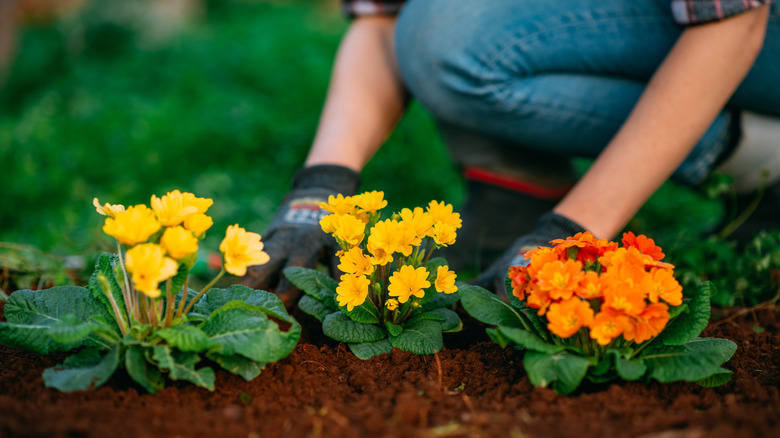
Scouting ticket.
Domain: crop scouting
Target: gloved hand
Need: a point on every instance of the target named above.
(294, 237)
(550, 226)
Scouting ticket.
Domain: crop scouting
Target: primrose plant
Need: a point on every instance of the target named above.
(138, 312)
(392, 293)
(589, 309)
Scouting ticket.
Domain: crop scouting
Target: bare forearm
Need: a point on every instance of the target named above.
(682, 99)
(365, 97)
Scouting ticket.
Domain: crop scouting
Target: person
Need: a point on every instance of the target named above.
(650, 89)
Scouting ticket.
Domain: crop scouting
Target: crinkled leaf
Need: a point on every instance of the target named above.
(629, 369)
(239, 365)
(495, 335)
(449, 320)
(48, 306)
(699, 359)
(33, 338)
(248, 332)
(563, 372)
(185, 338)
(690, 323)
(264, 301)
(367, 350)
(393, 329)
(105, 265)
(314, 283)
(529, 340)
(181, 366)
(314, 307)
(71, 330)
(365, 313)
(487, 307)
(441, 300)
(422, 337)
(142, 371)
(340, 327)
(178, 280)
(87, 369)
(717, 379)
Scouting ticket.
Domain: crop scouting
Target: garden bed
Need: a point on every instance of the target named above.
(474, 388)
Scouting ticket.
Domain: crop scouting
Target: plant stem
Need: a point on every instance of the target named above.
(183, 297)
(169, 305)
(126, 292)
(204, 290)
(428, 252)
(742, 217)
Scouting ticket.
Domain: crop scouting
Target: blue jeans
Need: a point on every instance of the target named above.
(559, 77)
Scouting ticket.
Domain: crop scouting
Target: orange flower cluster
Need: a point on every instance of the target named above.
(584, 282)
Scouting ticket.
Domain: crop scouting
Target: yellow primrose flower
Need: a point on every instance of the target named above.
(202, 204)
(370, 201)
(198, 223)
(445, 280)
(356, 262)
(240, 249)
(379, 253)
(132, 226)
(339, 204)
(328, 223)
(443, 212)
(420, 221)
(108, 209)
(407, 282)
(171, 208)
(178, 242)
(407, 238)
(391, 304)
(148, 266)
(352, 290)
(349, 229)
(443, 234)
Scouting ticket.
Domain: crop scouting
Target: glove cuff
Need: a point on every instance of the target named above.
(552, 226)
(339, 179)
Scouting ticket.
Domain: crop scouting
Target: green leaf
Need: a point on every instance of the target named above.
(263, 301)
(495, 335)
(365, 313)
(141, 371)
(699, 359)
(422, 337)
(181, 366)
(32, 315)
(313, 283)
(250, 333)
(70, 330)
(393, 329)
(177, 282)
(48, 306)
(239, 365)
(630, 369)
(450, 321)
(690, 323)
(487, 307)
(314, 307)
(717, 379)
(105, 265)
(340, 327)
(185, 338)
(563, 372)
(84, 370)
(367, 350)
(529, 340)
(441, 300)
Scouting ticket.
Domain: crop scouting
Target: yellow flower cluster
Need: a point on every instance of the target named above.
(383, 260)
(166, 235)
(583, 283)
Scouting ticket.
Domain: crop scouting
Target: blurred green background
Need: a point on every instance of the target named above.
(121, 100)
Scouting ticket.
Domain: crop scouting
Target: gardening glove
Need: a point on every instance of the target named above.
(295, 237)
(550, 226)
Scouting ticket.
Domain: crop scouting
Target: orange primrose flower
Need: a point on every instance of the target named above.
(565, 318)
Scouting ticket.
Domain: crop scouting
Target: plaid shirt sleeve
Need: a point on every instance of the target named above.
(701, 11)
(354, 8)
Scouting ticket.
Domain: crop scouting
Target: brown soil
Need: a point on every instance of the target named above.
(474, 388)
